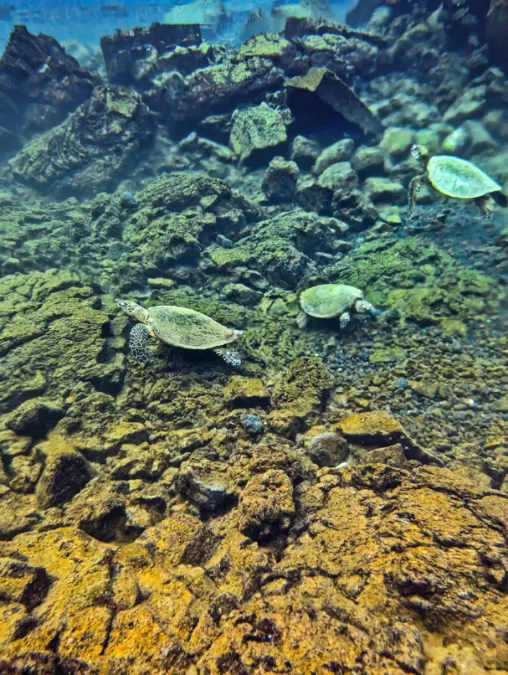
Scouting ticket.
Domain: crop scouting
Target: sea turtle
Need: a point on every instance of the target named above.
(179, 327)
(454, 177)
(327, 301)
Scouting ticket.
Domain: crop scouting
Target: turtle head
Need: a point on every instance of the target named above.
(133, 309)
(421, 153)
(233, 334)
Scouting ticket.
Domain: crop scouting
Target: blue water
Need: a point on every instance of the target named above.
(88, 20)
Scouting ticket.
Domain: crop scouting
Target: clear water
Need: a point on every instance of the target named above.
(207, 466)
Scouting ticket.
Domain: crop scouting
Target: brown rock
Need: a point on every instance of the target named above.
(328, 449)
(380, 428)
(65, 473)
(246, 392)
(266, 505)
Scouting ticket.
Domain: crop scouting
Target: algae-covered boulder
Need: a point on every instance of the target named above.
(35, 417)
(418, 280)
(255, 130)
(65, 473)
(216, 88)
(177, 216)
(98, 144)
(39, 84)
(266, 506)
(134, 56)
(279, 181)
(52, 337)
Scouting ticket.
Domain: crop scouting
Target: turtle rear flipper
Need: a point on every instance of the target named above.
(137, 342)
(229, 355)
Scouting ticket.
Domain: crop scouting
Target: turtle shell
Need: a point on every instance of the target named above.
(329, 300)
(456, 177)
(182, 327)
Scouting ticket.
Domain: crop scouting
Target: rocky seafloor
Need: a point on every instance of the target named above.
(336, 504)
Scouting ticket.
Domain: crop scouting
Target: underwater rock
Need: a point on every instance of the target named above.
(304, 152)
(339, 177)
(355, 209)
(385, 191)
(338, 152)
(133, 55)
(253, 424)
(241, 294)
(179, 214)
(65, 473)
(301, 391)
(205, 484)
(367, 162)
(214, 89)
(101, 141)
(270, 46)
(266, 506)
(39, 83)
(497, 32)
(35, 417)
(255, 130)
(379, 428)
(323, 84)
(246, 392)
(327, 449)
(208, 567)
(279, 181)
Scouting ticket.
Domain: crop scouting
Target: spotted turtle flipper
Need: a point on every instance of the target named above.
(137, 342)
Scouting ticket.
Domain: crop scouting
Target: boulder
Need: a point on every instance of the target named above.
(96, 146)
(133, 55)
(35, 417)
(255, 130)
(338, 152)
(39, 84)
(279, 181)
(324, 85)
(266, 505)
(66, 472)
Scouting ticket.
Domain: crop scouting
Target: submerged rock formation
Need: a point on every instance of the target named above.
(99, 143)
(39, 83)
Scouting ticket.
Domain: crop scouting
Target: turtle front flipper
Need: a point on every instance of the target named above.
(229, 355)
(302, 320)
(485, 205)
(344, 319)
(413, 190)
(137, 342)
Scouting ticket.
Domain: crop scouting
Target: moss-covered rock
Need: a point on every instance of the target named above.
(417, 279)
(256, 129)
(101, 141)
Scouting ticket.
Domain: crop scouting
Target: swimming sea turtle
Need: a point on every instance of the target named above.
(179, 327)
(327, 301)
(454, 177)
